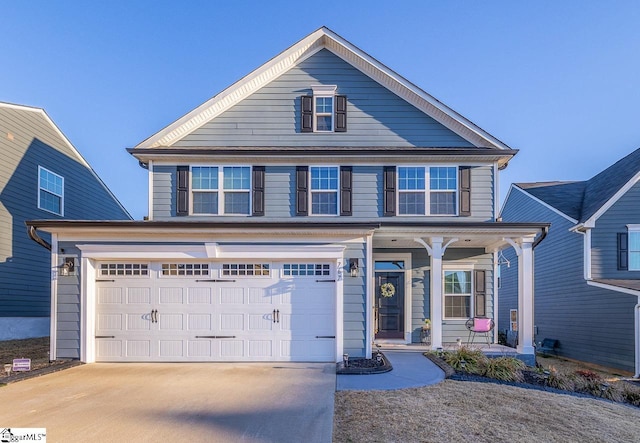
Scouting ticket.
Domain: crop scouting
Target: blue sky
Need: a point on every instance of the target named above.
(559, 80)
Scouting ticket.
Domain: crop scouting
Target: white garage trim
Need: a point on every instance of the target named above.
(209, 250)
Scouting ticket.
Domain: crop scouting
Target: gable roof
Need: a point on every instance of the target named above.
(586, 200)
(323, 38)
(63, 138)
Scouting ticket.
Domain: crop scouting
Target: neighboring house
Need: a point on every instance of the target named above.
(319, 204)
(587, 280)
(41, 176)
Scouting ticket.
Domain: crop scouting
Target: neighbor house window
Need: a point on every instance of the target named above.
(457, 294)
(50, 191)
(221, 190)
(324, 190)
(634, 249)
(427, 190)
(513, 319)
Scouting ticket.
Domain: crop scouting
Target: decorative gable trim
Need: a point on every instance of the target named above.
(322, 38)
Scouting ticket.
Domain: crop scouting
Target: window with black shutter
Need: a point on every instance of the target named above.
(182, 191)
(258, 190)
(346, 175)
(623, 251)
(302, 190)
(324, 111)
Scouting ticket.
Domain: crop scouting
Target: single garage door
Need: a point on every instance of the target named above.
(209, 311)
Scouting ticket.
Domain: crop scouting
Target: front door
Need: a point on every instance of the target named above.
(389, 304)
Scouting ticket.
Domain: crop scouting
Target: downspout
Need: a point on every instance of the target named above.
(637, 346)
(33, 235)
(545, 231)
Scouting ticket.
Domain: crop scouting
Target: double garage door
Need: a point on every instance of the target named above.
(209, 311)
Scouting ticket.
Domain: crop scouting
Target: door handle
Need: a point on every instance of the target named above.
(154, 316)
(278, 313)
(273, 315)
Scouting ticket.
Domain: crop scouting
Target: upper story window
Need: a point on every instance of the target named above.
(324, 190)
(634, 247)
(324, 111)
(50, 191)
(221, 190)
(427, 190)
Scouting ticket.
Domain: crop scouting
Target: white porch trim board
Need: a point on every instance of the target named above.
(369, 298)
(53, 327)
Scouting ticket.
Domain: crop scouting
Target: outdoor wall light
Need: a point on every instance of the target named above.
(345, 360)
(353, 267)
(68, 267)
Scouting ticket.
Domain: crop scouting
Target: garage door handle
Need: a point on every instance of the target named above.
(278, 314)
(325, 336)
(105, 336)
(103, 281)
(215, 280)
(154, 316)
(325, 281)
(215, 336)
(273, 315)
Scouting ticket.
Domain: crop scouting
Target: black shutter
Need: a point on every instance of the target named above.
(346, 174)
(302, 190)
(306, 106)
(182, 191)
(389, 193)
(258, 190)
(480, 293)
(464, 191)
(341, 113)
(623, 251)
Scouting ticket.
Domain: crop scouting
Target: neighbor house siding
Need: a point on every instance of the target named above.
(591, 324)
(354, 293)
(604, 237)
(271, 116)
(25, 268)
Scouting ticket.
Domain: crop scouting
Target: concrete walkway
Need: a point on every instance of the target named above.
(411, 369)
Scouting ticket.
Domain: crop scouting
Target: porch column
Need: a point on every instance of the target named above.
(436, 251)
(524, 250)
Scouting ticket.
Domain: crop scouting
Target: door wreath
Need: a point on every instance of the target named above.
(387, 290)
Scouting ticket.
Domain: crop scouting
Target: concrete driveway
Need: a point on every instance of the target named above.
(194, 402)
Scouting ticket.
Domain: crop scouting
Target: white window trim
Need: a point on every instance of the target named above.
(40, 188)
(427, 191)
(220, 190)
(311, 191)
(458, 267)
(324, 91)
(636, 230)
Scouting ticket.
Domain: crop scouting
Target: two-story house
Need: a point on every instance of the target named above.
(319, 204)
(587, 282)
(42, 175)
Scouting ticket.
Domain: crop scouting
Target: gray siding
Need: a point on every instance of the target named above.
(367, 193)
(271, 116)
(354, 293)
(24, 265)
(68, 311)
(604, 257)
(591, 324)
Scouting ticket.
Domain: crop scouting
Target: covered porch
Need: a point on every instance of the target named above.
(438, 275)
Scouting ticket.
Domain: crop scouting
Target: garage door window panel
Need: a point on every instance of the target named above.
(185, 269)
(306, 270)
(246, 269)
(124, 269)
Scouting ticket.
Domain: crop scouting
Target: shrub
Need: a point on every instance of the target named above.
(631, 395)
(503, 368)
(474, 360)
(559, 380)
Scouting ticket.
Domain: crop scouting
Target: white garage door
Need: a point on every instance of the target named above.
(232, 311)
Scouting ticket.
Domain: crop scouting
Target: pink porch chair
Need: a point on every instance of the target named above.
(479, 325)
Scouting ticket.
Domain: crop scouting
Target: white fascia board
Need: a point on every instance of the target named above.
(537, 200)
(613, 288)
(591, 221)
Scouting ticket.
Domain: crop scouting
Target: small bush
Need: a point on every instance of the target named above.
(504, 368)
(631, 395)
(474, 360)
(560, 380)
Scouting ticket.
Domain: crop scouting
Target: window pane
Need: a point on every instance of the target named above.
(411, 178)
(50, 202)
(204, 178)
(323, 123)
(457, 306)
(324, 105)
(634, 241)
(324, 178)
(443, 178)
(457, 282)
(324, 203)
(411, 203)
(205, 202)
(236, 203)
(51, 182)
(237, 177)
(443, 203)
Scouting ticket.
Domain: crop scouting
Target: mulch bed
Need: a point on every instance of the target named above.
(364, 366)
